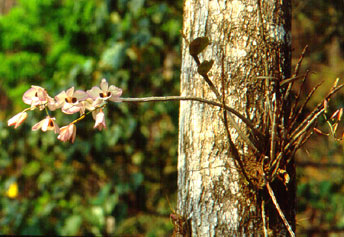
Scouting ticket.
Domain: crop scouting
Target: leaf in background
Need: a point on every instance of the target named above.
(71, 225)
(32, 168)
(113, 57)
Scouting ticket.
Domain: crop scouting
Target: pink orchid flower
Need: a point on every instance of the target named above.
(105, 92)
(89, 104)
(38, 96)
(47, 124)
(69, 100)
(67, 133)
(99, 116)
(17, 119)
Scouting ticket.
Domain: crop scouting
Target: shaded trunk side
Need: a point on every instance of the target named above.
(213, 196)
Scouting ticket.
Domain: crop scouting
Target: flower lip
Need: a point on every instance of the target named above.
(105, 95)
(105, 92)
(69, 100)
(47, 124)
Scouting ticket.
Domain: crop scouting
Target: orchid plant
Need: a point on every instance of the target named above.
(70, 102)
(274, 160)
(93, 101)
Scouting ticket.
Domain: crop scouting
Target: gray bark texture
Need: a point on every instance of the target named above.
(248, 39)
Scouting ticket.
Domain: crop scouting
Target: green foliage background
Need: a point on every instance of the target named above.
(320, 164)
(114, 181)
(119, 181)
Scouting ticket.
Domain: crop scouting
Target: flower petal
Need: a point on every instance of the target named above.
(45, 124)
(115, 98)
(28, 95)
(37, 125)
(67, 133)
(56, 127)
(35, 96)
(17, 120)
(72, 129)
(115, 93)
(70, 92)
(94, 92)
(100, 120)
(80, 95)
(70, 108)
(60, 98)
(104, 85)
(115, 90)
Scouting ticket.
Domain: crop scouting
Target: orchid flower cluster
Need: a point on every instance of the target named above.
(70, 102)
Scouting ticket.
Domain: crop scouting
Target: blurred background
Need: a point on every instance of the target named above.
(122, 181)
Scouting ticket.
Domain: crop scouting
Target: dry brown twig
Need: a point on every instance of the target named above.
(274, 200)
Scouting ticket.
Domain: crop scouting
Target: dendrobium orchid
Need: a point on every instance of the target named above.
(105, 92)
(37, 96)
(67, 133)
(17, 120)
(69, 100)
(86, 105)
(99, 117)
(47, 124)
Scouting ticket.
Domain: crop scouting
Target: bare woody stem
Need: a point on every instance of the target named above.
(274, 200)
(191, 98)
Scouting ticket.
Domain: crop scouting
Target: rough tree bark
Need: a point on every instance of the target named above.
(249, 40)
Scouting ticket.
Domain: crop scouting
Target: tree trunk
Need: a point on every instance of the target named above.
(249, 40)
(6, 5)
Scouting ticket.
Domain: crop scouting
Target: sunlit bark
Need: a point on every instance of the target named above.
(214, 199)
